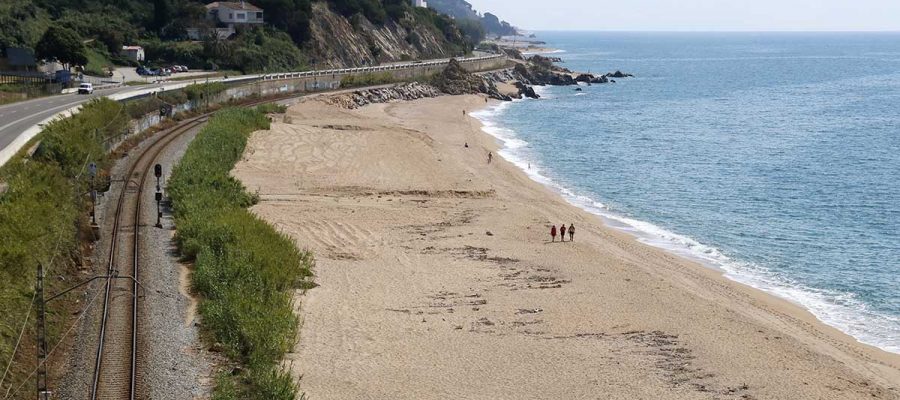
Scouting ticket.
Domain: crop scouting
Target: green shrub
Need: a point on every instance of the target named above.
(196, 91)
(98, 62)
(271, 108)
(139, 108)
(43, 211)
(369, 79)
(73, 142)
(236, 253)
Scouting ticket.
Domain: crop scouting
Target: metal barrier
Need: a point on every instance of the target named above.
(394, 67)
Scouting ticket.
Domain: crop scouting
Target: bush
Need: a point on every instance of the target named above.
(369, 79)
(187, 53)
(42, 211)
(237, 253)
(196, 91)
(271, 108)
(73, 142)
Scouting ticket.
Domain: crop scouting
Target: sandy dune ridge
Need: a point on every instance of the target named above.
(438, 280)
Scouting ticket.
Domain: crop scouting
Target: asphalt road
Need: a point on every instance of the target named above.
(17, 117)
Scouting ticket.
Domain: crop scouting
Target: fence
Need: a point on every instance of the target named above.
(26, 78)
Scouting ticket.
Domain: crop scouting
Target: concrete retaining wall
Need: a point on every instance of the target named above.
(274, 84)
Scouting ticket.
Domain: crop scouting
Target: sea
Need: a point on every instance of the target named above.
(773, 157)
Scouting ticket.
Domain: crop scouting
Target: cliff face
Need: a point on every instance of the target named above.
(336, 42)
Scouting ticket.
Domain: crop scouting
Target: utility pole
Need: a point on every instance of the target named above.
(92, 171)
(42, 392)
(41, 375)
(157, 170)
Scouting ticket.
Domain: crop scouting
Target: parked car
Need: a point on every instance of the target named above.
(85, 88)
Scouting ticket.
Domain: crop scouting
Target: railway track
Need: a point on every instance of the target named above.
(116, 368)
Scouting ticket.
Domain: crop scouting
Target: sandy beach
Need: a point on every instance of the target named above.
(438, 280)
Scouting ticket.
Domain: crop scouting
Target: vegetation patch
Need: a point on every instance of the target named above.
(368, 79)
(98, 63)
(198, 90)
(245, 270)
(44, 212)
(271, 108)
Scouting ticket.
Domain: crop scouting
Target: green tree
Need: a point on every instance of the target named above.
(291, 16)
(62, 44)
(472, 30)
(162, 14)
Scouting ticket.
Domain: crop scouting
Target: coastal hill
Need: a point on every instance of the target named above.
(282, 35)
(461, 10)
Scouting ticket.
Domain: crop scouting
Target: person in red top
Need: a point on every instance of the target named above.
(562, 233)
(553, 233)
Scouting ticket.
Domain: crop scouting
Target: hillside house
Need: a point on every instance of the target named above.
(231, 13)
(135, 53)
(420, 3)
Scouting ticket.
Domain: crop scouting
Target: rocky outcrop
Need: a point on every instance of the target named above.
(510, 76)
(455, 80)
(526, 91)
(539, 74)
(589, 78)
(406, 91)
(336, 41)
(619, 74)
(514, 54)
(586, 78)
(506, 75)
(544, 60)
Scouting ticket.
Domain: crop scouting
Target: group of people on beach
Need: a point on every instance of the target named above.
(562, 233)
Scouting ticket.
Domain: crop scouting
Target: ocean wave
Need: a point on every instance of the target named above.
(555, 51)
(841, 310)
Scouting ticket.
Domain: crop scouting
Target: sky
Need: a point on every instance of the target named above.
(698, 15)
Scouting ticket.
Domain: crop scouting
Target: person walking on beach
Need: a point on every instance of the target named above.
(490, 157)
(562, 233)
(553, 233)
(571, 232)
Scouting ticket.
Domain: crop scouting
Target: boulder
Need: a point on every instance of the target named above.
(586, 78)
(455, 80)
(406, 91)
(561, 80)
(527, 91)
(541, 71)
(512, 53)
(600, 79)
(619, 74)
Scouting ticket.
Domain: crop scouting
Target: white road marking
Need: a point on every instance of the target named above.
(2, 128)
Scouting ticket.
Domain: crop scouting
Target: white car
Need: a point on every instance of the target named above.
(86, 88)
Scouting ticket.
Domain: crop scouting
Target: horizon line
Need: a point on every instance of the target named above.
(706, 31)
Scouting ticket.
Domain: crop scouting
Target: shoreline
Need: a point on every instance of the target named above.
(731, 331)
(650, 234)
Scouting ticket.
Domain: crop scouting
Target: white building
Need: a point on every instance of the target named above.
(420, 3)
(135, 53)
(231, 13)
